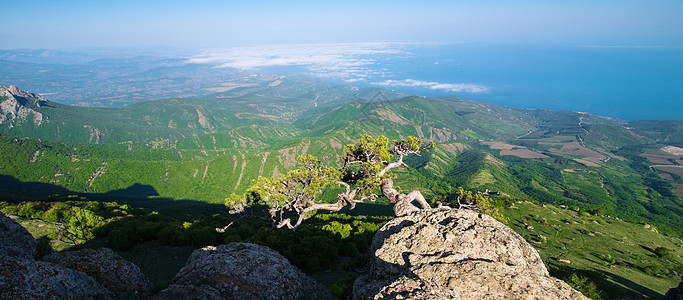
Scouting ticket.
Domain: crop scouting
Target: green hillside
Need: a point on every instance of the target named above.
(205, 149)
(620, 257)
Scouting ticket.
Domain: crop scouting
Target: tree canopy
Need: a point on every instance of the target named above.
(364, 169)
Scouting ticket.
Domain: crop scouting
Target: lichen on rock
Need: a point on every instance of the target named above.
(246, 271)
(108, 268)
(28, 279)
(456, 254)
(189, 292)
(15, 240)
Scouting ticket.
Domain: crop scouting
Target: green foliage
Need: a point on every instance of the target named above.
(366, 158)
(343, 230)
(84, 219)
(584, 286)
(654, 270)
(467, 164)
(82, 223)
(664, 252)
(119, 240)
(364, 165)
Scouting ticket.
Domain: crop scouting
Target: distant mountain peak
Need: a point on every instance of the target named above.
(15, 91)
(16, 104)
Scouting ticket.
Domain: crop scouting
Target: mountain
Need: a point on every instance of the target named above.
(206, 148)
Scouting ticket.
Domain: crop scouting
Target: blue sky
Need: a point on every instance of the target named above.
(206, 24)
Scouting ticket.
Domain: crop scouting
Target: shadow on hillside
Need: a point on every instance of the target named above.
(144, 196)
(160, 256)
(137, 195)
(639, 291)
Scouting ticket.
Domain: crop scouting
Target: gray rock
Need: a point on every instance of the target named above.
(189, 292)
(15, 240)
(456, 254)
(108, 268)
(29, 279)
(247, 271)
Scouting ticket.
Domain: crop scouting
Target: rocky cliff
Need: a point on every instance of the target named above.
(84, 274)
(116, 274)
(22, 277)
(456, 254)
(15, 241)
(18, 106)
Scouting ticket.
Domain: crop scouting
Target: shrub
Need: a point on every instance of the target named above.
(653, 270)
(581, 283)
(663, 252)
(203, 236)
(119, 240)
(344, 230)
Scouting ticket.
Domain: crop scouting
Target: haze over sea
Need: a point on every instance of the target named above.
(620, 58)
(630, 83)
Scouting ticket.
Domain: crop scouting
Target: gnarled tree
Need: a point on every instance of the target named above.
(364, 168)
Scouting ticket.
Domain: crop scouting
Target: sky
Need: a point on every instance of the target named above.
(68, 24)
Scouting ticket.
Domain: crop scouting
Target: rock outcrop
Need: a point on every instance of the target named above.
(84, 274)
(189, 292)
(15, 240)
(30, 279)
(675, 293)
(16, 104)
(108, 268)
(242, 271)
(456, 254)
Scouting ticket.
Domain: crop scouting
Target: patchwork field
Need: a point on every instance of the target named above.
(507, 149)
(676, 170)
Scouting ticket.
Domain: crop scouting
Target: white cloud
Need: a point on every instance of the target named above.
(351, 62)
(448, 87)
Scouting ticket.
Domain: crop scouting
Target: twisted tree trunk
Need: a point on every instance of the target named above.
(402, 202)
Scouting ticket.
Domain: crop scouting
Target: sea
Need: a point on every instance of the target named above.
(625, 82)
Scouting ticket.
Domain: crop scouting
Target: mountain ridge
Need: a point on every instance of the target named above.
(219, 145)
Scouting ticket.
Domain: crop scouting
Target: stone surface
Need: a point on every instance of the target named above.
(17, 104)
(108, 268)
(189, 292)
(15, 240)
(247, 271)
(29, 279)
(456, 254)
(675, 293)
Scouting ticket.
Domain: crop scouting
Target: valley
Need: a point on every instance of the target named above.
(153, 154)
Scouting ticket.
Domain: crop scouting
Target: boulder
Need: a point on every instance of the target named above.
(246, 271)
(675, 293)
(189, 292)
(456, 254)
(108, 268)
(15, 240)
(29, 279)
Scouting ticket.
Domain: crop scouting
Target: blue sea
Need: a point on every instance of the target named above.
(630, 83)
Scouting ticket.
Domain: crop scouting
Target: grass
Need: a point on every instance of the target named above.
(40, 229)
(620, 252)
